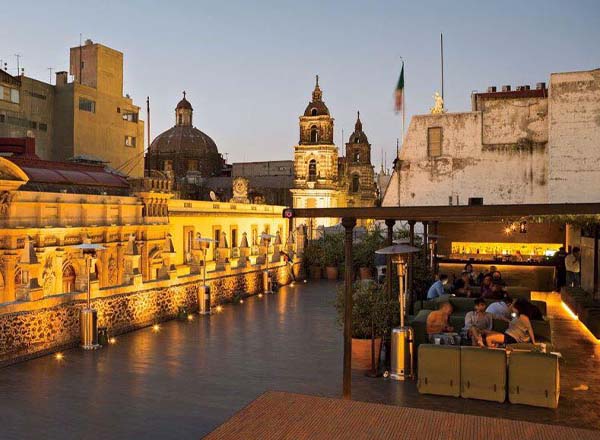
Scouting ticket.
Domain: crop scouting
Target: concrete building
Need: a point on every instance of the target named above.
(515, 146)
(87, 118)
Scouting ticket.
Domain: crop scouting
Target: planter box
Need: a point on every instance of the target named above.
(365, 273)
(361, 353)
(331, 272)
(314, 272)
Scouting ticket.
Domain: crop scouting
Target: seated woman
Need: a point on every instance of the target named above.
(438, 320)
(462, 286)
(519, 328)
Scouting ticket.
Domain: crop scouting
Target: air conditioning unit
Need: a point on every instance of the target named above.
(506, 88)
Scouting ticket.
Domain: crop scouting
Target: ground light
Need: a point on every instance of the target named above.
(241, 301)
(59, 356)
(260, 295)
(190, 317)
(155, 328)
(112, 340)
(585, 330)
(219, 309)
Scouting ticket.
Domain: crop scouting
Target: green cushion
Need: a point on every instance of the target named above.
(533, 379)
(439, 370)
(483, 373)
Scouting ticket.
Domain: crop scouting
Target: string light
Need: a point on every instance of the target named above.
(155, 328)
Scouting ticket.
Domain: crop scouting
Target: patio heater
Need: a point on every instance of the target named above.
(402, 337)
(267, 282)
(204, 291)
(88, 317)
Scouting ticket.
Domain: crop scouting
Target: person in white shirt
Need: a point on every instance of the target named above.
(478, 322)
(573, 266)
(500, 309)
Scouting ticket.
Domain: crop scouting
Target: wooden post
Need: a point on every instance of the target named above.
(411, 261)
(426, 240)
(348, 224)
(435, 267)
(388, 261)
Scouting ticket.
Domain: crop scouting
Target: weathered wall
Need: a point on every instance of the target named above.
(32, 333)
(501, 174)
(574, 142)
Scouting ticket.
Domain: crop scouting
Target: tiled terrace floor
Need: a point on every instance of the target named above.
(189, 377)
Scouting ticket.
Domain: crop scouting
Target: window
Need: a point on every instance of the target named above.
(131, 117)
(36, 95)
(234, 237)
(168, 165)
(216, 238)
(434, 141)
(87, 105)
(33, 125)
(192, 165)
(314, 134)
(14, 96)
(118, 109)
(312, 170)
(130, 141)
(1, 92)
(2, 117)
(313, 112)
(357, 156)
(180, 119)
(43, 127)
(355, 183)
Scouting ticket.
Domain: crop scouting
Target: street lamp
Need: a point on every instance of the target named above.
(402, 337)
(88, 317)
(267, 282)
(204, 292)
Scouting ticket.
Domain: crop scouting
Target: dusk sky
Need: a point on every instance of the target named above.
(249, 67)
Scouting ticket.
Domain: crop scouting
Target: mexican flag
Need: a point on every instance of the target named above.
(400, 91)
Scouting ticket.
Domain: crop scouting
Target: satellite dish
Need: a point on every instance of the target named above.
(213, 196)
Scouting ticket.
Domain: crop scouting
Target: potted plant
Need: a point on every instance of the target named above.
(364, 253)
(313, 258)
(333, 254)
(371, 313)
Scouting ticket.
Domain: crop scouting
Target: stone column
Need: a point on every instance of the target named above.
(10, 265)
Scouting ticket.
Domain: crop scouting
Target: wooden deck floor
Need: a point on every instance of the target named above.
(279, 415)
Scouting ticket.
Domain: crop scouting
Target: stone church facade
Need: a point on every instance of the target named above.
(323, 178)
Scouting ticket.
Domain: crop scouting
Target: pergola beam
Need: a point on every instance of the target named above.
(451, 213)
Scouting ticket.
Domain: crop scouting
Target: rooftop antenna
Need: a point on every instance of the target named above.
(442, 61)
(18, 55)
(397, 148)
(80, 58)
(50, 69)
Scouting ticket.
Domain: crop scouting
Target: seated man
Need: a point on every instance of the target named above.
(461, 286)
(437, 321)
(437, 288)
(497, 291)
(478, 322)
(500, 309)
(497, 278)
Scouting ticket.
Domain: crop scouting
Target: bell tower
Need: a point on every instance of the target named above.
(183, 112)
(359, 176)
(316, 159)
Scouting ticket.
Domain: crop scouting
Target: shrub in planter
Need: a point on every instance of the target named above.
(333, 254)
(372, 317)
(364, 253)
(313, 258)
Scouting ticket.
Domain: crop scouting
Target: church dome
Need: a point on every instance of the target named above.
(316, 107)
(187, 148)
(184, 139)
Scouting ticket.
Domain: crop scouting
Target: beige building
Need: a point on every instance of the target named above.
(87, 118)
(514, 146)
